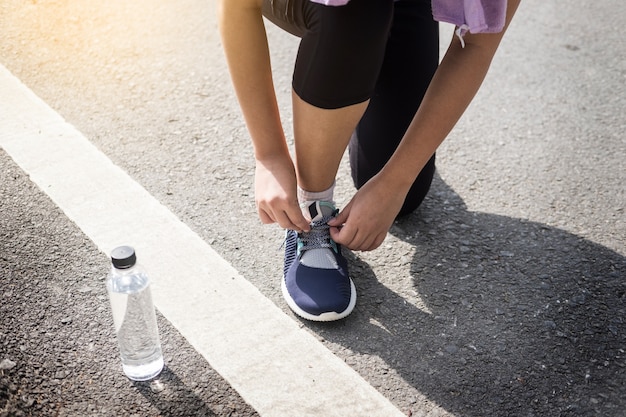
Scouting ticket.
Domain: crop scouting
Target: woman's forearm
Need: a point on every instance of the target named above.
(247, 53)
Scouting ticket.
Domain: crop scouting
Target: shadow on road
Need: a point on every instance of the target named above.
(518, 318)
(172, 397)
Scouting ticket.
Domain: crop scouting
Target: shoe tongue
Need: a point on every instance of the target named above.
(317, 210)
(318, 257)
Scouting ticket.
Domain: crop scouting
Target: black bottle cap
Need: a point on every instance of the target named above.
(123, 257)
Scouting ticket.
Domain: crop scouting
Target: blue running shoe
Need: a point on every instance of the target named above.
(316, 284)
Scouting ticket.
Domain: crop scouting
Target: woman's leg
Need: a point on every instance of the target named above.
(411, 58)
(337, 66)
(321, 138)
(338, 62)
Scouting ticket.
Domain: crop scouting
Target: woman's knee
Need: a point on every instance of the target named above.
(342, 52)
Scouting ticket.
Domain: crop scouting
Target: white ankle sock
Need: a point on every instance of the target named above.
(326, 195)
(321, 257)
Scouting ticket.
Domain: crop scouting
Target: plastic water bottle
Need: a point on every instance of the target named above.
(134, 317)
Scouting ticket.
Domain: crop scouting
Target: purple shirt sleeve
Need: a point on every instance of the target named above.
(331, 2)
(476, 16)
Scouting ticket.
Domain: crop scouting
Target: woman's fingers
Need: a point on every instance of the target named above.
(293, 220)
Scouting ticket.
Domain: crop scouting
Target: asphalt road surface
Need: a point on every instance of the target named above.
(504, 295)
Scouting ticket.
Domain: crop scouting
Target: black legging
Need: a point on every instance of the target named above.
(380, 50)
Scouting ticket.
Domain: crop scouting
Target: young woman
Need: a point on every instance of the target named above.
(366, 77)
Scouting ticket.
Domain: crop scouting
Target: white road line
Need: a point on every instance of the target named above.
(277, 367)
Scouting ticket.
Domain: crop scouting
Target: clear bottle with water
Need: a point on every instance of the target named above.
(134, 316)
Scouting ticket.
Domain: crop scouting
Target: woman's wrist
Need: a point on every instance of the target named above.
(269, 157)
(398, 178)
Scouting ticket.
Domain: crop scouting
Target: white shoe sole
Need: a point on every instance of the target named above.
(329, 316)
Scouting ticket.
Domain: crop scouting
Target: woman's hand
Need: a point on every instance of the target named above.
(363, 224)
(276, 195)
